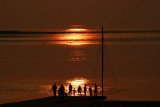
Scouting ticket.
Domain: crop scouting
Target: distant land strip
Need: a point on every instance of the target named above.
(107, 31)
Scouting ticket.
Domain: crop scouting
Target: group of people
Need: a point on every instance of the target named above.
(61, 90)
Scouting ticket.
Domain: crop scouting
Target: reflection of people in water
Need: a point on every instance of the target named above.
(54, 88)
(79, 90)
(95, 89)
(70, 89)
(85, 89)
(90, 90)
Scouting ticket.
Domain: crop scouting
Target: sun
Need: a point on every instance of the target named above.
(76, 30)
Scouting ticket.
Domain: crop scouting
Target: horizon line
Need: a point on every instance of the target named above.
(61, 32)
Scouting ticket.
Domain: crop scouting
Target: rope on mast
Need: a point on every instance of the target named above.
(105, 59)
(95, 65)
(111, 70)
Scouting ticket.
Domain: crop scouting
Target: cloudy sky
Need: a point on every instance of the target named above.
(57, 14)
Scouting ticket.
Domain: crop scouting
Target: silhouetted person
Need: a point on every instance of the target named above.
(62, 89)
(95, 89)
(70, 89)
(90, 91)
(65, 94)
(74, 91)
(54, 88)
(59, 92)
(85, 89)
(79, 90)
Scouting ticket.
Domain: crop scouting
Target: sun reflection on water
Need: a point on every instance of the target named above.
(78, 81)
(76, 39)
(75, 82)
(74, 43)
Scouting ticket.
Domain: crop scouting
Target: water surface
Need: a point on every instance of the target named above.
(31, 64)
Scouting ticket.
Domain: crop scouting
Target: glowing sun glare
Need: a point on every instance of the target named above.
(76, 30)
(77, 82)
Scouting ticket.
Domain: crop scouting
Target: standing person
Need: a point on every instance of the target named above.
(59, 92)
(95, 89)
(70, 89)
(62, 90)
(85, 89)
(90, 90)
(54, 88)
(79, 90)
(65, 94)
(74, 91)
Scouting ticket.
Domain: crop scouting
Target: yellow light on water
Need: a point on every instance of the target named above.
(74, 37)
(77, 81)
(76, 43)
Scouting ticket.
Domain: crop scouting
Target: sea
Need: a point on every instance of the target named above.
(31, 63)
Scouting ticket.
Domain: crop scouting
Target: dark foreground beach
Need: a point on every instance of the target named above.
(80, 102)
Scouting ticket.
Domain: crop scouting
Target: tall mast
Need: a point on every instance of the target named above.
(102, 60)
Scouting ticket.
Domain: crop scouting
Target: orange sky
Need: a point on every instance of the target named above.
(50, 14)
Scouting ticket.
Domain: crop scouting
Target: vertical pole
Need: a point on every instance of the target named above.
(102, 60)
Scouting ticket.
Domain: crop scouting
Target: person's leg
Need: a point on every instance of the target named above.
(54, 93)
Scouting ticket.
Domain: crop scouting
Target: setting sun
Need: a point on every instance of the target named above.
(77, 30)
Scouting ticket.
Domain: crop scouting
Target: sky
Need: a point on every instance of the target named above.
(57, 14)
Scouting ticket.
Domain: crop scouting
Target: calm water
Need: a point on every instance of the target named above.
(31, 64)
